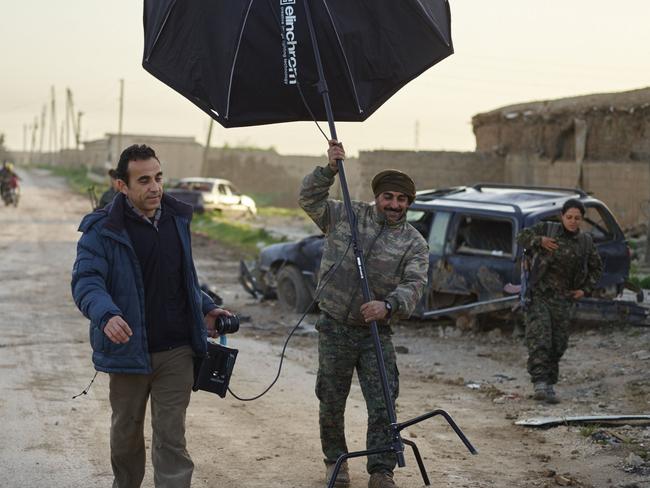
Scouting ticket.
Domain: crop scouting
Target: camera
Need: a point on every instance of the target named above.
(212, 372)
(226, 324)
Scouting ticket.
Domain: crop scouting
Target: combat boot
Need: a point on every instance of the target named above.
(551, 396)
(381, 480)
(541, 389)
(343, 476)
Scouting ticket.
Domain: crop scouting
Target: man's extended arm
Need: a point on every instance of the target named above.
(313, 196)
(316, 186)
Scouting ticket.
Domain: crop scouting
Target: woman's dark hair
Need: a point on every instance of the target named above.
(135, 152)
(573, 203)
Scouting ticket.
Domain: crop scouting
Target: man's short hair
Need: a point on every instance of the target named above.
(135, 152)
(393, 180)
(573, 203)
(112, 173)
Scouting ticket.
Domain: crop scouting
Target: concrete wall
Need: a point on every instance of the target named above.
(429, 169)
(275, 179)
(272, 178)
(623, 186)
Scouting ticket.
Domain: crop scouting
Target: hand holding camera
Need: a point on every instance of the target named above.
(219, 322)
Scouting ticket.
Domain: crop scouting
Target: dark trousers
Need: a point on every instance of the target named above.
(169, 386)
(547, 337)
(341, 350)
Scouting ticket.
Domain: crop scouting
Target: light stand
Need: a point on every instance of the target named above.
(397, 443)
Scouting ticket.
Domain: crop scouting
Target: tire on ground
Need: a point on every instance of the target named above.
(292, 290)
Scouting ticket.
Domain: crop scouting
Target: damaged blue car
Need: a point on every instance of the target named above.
(474, 259)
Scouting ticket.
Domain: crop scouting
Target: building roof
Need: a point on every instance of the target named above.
(627, 101)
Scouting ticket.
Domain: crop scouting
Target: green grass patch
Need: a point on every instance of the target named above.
(77, 178)
(239, 235)
(589, 429)
(281, 212)
(642, 281)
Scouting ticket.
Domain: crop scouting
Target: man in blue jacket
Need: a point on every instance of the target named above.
(134, 278)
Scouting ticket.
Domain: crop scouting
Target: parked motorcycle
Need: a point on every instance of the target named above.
(11, 192)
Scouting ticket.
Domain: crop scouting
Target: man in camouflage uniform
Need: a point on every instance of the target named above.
(108, 195)
(565, 268)
(397, 260)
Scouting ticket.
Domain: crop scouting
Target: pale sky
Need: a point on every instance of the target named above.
(507, 51)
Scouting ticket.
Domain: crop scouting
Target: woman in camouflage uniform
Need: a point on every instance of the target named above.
(565, 268)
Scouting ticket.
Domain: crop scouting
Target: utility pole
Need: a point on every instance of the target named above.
(78, 130)
(204, 166)
(67, 117)
(52, 125)
(74, 121)
(24, 138)
(62, 135)
(119, 125)
(33, 147)
(43, 116)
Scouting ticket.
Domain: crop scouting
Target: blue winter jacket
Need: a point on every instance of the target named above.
(107, 281)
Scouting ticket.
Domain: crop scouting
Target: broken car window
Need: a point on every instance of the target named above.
(484, 236)
(596, 224)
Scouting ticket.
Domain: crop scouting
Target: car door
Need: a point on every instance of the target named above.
(227, 198)
(479, 256)
(433, 227)
(610, 242)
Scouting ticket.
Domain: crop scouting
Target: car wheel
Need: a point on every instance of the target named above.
(292, 290)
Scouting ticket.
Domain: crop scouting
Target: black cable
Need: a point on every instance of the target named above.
(87, 389)
(311, 114)
(286, 342)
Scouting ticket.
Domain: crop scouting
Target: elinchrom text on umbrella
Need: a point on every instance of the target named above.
(289, 42)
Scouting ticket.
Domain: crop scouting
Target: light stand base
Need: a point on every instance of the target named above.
(398, 448)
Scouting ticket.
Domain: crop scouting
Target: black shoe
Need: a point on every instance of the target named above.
(551, 397)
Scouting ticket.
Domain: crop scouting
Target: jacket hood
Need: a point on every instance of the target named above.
(92, 218)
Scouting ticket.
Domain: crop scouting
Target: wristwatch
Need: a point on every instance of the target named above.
(389, 308)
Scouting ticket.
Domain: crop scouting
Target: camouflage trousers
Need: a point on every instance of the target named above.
(547, 336)
(342, 349)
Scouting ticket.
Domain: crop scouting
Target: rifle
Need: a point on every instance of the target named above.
(524, 286)
(92, 194)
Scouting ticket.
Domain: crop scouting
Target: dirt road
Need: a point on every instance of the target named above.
(50, 439)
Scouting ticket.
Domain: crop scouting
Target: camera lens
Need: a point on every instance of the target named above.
(227, 324)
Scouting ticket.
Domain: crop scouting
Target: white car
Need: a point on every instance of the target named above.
(219, 194)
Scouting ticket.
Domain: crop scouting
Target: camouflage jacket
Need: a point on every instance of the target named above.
(396, 255)
(575, 265)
